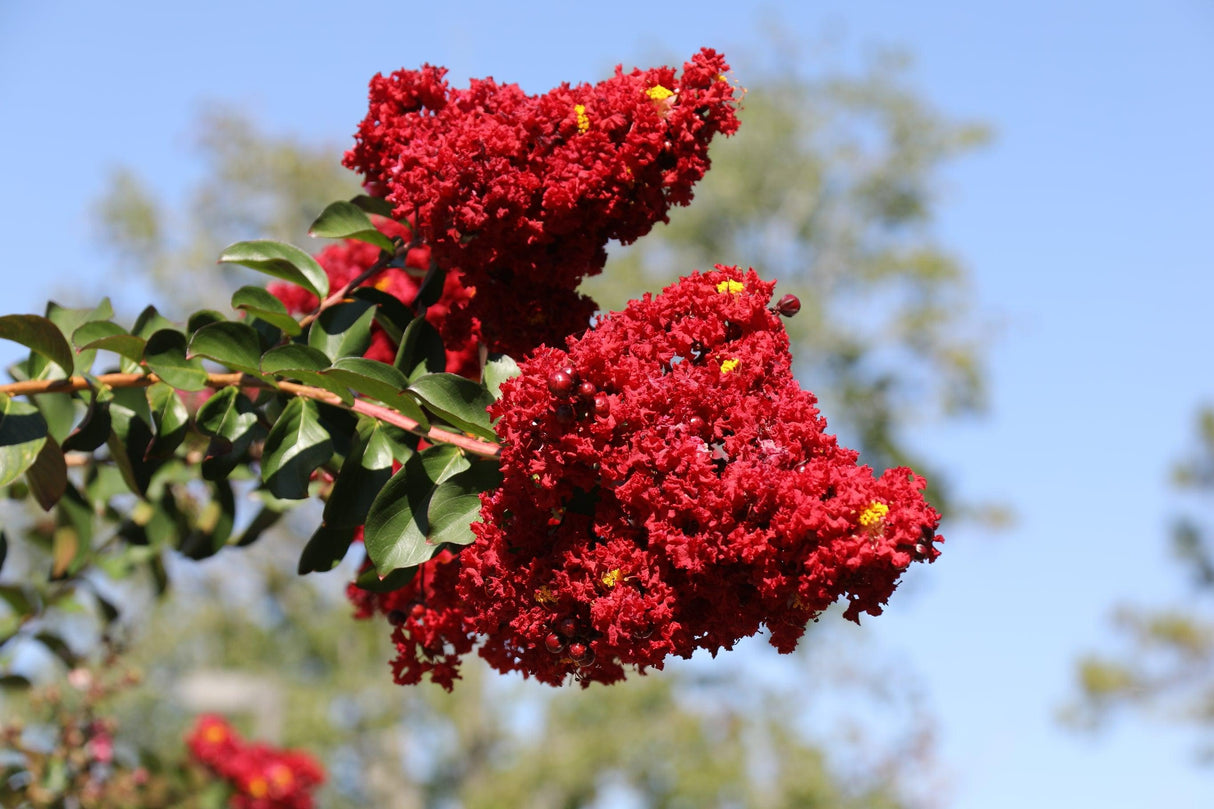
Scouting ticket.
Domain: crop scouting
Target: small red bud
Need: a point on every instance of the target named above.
(560, 383)
(602, 405)
(581, 654)
(586, 390)
(397, 617)
(788, 306)
(567, 627)
(553, 643)
(417, 610)
(696, 424)
(564, 413)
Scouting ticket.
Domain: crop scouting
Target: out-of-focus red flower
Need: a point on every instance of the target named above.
(261, 776)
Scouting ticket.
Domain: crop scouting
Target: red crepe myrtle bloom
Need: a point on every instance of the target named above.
(678, 491)
(525, 191)
(262, 777)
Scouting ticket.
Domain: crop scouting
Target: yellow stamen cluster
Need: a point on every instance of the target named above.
(612, 577)
(731, 286)
(544, 596)
(383, 283)
(659, 93)
(583, 120)
(873, 515)
(729, 365)
(215, 734)
(258, 788)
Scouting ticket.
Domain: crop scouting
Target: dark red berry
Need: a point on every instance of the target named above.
(587, 390)
(560, 383)
(564, 413)
(567, 627)
(554, 643)
(580, 653)
(696, 424)
(788, 306)
(397, 617)
(602, 405)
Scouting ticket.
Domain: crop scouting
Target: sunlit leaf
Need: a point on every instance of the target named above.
(280, 260)
(41, 336)
(345, 220)
(295, 447)
(458, 401)
(22, 433)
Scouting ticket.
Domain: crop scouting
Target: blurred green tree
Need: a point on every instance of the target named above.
(1165, 667)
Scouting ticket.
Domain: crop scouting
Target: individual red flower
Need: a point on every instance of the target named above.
(667, 487)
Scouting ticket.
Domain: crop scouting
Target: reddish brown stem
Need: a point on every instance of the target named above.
(475, 446)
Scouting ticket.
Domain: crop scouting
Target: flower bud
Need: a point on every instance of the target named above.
(788, 306)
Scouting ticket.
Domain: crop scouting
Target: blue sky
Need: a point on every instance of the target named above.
(1086, 224)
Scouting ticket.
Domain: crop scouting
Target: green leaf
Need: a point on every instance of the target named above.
(325, 548)
(170, 418)
(280, 260)
(203, 317)
(420, 351)
(47, 476)
(212, 525)
(40, 335)
(458, 401)
(364, 473)
(266, 518)
(371, 581)
(94, 428)
(165, 354)
(22, 433)
(343, 330)
(391, 315)
(230, 419)
(258, 302)
(451, 512)
(301, 362)
(108, 336)
(498, 369)
(60, 413)
(375, 205)
(130, 437)
(149, 322)
(431, 288)
(295, 447)
(397, 526)
(345, 220)
(3, 547)
(58, 647)
(379, 381)
(68, 320)
(233, 344)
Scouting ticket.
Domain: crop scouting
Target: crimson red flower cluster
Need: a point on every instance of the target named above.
(523, 192)
(667, 487)
(261, 776)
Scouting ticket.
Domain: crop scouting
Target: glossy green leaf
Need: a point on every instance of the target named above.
(498, 369)
(170, 418)
(458, 401)
(365, 471)
(22, 433)
(47, 476)
(203, 317)
(229, 418)
(379, 381)
(130, 437)
(60, 413)
(371, 581)
(397, 527)
(391, 315)
(93, 430)
(343, 330)
(431, 288)
(284, 360)
(295, 447)
(165, 354)
(107, 335)
(450, 514)
(325, 548)
(375, 205)
(258, 302)
(420, 351)
(233, 344)
(280, 260)
(345, 220)
(68, 320)
(40, 335)
(149, 322)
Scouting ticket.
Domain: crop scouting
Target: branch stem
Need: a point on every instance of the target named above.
(475, 446)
